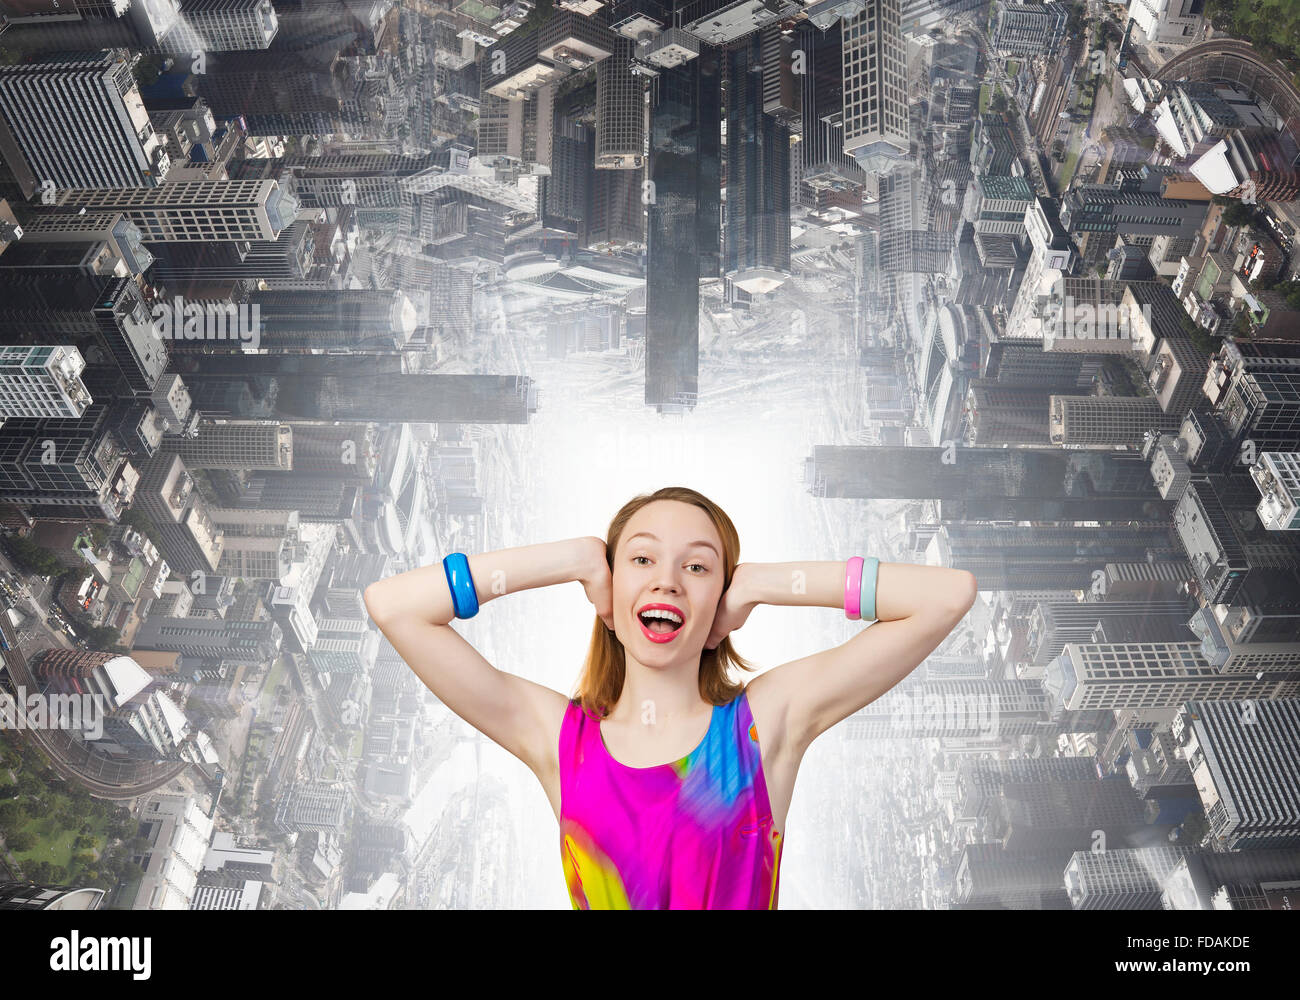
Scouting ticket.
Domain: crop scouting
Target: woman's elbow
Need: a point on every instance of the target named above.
(966, 590)
(376, 606)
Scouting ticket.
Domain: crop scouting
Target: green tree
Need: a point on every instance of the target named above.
(148, 69)
(103, 637)
(20, 840)
(1239, 214)
(32, 557)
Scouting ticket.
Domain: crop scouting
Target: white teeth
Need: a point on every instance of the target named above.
(657, 613)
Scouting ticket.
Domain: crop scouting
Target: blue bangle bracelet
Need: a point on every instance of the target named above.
(464, 598)
(870, 569)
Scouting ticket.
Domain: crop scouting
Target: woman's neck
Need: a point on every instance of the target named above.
(658, 698)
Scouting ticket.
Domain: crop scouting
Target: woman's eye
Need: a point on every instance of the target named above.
(693, 565)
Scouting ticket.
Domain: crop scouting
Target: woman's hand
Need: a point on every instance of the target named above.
(597, 580)
(733, 608)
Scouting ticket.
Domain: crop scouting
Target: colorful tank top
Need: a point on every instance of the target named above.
(693, 834)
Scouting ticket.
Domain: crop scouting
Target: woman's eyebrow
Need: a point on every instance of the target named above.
(699, 541)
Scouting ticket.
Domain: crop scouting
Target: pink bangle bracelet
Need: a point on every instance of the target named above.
(853, 589)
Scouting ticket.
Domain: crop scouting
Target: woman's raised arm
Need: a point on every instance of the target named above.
(414, 610)
(916, 608)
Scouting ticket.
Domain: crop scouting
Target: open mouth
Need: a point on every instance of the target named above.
(659, 625)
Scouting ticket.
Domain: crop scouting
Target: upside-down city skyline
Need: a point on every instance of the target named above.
(296, 295)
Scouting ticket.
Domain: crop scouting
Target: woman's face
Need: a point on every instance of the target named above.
(681, 567)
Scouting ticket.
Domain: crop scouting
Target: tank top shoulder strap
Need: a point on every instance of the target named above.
(574, 733)
(745, 719)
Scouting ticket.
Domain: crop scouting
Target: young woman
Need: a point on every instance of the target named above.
(670, 781)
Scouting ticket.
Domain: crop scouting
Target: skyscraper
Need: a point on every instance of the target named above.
(194, 210)
(993, 483)
(1106, 421)
(103, 316)
(822, 161)
(1131, 206)
(1146, 675)
(357, 318)
(49, 107)
(255, 642)
(169, 497)
(236, 444)
(620, 111)
(757, 242)
(223, 25)
(63, 468)
(1277, 476)
(875, 87)
(684, 223)
(42, 382)
(1243, 758)
(1007, 414)
(366, 180)
(352, 387)
(1042, 556)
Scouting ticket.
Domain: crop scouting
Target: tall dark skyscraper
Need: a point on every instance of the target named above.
(823, 164)
(1028, 558)
(684, 222)
(993, 483)
(757, 247)
(357, 318)
(350, 387)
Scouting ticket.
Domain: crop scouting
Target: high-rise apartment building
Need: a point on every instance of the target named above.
(1146, 675)
(65, 468)
(223, 26)
(236, 444)
(51, 107)
(1107, 421)
(42, 382)
(1243, 755)
(194, 210)
(620, 111)
(170, 499)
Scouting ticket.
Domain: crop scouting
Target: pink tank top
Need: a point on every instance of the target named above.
(693, 834)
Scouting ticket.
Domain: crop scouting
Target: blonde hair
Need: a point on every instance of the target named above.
(604, 670)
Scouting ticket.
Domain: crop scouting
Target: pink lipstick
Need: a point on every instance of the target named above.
(665, 636)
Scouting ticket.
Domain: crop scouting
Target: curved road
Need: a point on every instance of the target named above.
(101, 776)
(1237, 61)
